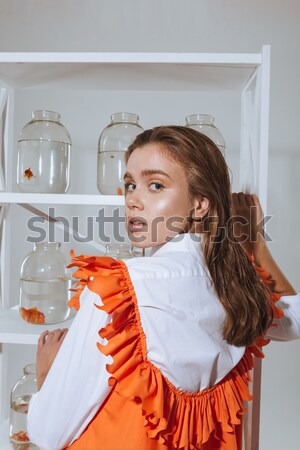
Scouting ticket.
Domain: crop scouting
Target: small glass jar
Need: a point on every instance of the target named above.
(44, 147)
(119, 251)
(113, 142)
(204, 123)
(19, 400)
(44, 285)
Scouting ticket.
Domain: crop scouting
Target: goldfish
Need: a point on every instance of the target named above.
(32, 315)
(28, 174)
(20, 436)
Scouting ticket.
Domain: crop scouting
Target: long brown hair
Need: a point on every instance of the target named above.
(241, 292)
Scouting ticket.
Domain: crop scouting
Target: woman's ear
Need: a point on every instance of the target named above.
(201, 207)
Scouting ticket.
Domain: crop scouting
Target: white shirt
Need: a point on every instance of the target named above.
(182, 319)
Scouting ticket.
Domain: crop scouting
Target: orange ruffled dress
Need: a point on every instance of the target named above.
(144, 410)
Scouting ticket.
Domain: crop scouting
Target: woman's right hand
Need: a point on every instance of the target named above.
(48, 346)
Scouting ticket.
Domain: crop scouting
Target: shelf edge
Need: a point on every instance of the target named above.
(62, 199)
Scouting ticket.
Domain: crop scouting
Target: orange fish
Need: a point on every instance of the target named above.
(28, 174)
(120, 191)
(20, 436)
(32, 315)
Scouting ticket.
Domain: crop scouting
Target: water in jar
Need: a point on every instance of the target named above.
(43, 166)
(111, 169)
(18, 424)
(44, 301)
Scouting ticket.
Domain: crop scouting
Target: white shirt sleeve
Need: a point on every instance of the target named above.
(77, 383)
(288, 327)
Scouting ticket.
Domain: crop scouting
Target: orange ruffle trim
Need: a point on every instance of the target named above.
(274, 297)
(175, 418)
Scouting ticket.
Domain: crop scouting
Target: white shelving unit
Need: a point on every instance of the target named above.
(161, 84)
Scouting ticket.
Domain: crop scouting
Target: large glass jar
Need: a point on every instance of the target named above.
(44, 147)
(204, 123)
(19, 399)
(44, 285)
(113, 142)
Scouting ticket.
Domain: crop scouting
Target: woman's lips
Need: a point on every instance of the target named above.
(136, 224)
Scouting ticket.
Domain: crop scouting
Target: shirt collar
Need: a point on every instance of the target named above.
(185, 242)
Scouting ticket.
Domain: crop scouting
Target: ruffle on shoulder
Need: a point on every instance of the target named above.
(274, 297)
(93, 272)
(175, 418)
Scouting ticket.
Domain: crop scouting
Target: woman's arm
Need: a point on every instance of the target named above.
(77, 382)
(248, 229)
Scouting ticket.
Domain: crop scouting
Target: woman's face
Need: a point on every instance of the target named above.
(157, 199)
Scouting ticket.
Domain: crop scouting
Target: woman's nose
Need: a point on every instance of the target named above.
(133, 200)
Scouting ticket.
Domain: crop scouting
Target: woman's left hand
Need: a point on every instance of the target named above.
(248, 219)
(248, 222)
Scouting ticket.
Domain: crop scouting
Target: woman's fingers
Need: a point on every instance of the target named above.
(42, 338)
(249, 200)
(63, 334)
(51, 337)
(242, 199)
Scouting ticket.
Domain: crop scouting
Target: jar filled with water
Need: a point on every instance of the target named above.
(113, 142)
(204, 123)
(44, 285)
(19, 400)
(44, 147)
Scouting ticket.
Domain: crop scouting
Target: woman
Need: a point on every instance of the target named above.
(178, 328)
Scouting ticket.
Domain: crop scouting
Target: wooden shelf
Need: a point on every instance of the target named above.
(129, 71)
(14, 330)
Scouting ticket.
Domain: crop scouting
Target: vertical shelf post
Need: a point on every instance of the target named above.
(6, 164)
(254, 179)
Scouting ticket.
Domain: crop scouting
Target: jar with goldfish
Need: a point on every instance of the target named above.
(19, 401)
(44, 285)
(113, 142)
(44, 146)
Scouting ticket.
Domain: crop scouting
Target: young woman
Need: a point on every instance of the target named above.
(159, 353)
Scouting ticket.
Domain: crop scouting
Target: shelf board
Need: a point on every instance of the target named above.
(132, 57)
(129, 71)
(61, 199)
(4, 436)
(14, 330)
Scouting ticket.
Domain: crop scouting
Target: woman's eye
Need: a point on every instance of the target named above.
(155, 186)
(129, 187)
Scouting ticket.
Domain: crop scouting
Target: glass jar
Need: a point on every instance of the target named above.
(44, 285)
(119, 251)
(204, 123)
(19, 399)
(44, 147)
(113, 142)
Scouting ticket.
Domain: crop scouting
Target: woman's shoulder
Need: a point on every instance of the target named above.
(171, 264)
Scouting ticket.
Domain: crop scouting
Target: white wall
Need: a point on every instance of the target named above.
(203, 26)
